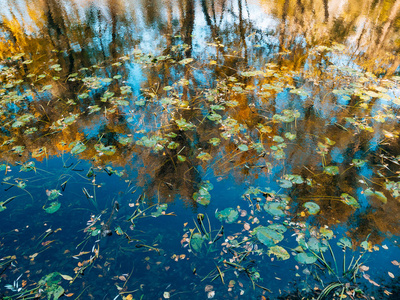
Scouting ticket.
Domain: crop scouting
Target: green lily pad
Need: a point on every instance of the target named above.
(196, 242)
(204, 156)
(349, 200)
(358, 162)
(306, 258)
(317, 246)
(229, 215)
(160, 209)
(286, 184)
(279, 252)
(275, 209)
(325, 232)
(344, 242)
(54, 206)
(278, 227)
(372, 193)
(107, 150)
(268, 236)
(312, 208)
(243, 147)
(202, 198)
(331, 170)
(77, 147)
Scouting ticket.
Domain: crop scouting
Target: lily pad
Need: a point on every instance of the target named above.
(344, 242)
(77, 147)
(331, 170)
(275, 208)
(286, 184)
(196, 242)
(312, 207)
(349, 200)
(229, 215)
(268, 236)
(279, 252)
(202, 198)
(306, 258)
(160, 210)
(54, 206)
(372, 193)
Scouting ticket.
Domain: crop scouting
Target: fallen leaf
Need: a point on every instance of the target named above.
(66, 277)
(391, 274)
(69, 295)
(364, 268)
(122, 278)
(208, 288)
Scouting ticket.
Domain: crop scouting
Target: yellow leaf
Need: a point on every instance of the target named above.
(66, 277)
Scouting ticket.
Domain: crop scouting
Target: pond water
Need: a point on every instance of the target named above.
(209, 149)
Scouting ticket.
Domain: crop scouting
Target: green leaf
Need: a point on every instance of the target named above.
(325, 232)
(349, 200)
(107, 150)
(344, 242)
(243, 147)
(286, 184)
(196, 242)
(275, 208)
(312, 207)
(306, 258)
(372, 193)
(204, 156)
(54, 206)
(160, 209)
(214, 141)
(279, 252)
(268, 236)
(229, 215)
(331, 170)
(77, 147)
(202, 198)
(358, 162)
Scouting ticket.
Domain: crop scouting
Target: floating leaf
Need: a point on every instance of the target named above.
(160, 210)
(54, 206)
(312, 207)
(202, 198)
(107, 150)
(196, 242)
(229, 215)
(275, 208)
(349, 200)
(306, 258)
(181, 158)
(66, 277)
(204, 156)
(331, 170)
(243, 147)
(279, 252)
(344, 242)
(372, 193)
(214, 141)
(77, 147)
(358, 162)
(267, 236)
(286, 184)
(325, 232)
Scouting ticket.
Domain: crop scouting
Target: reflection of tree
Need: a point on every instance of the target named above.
(247, 105)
